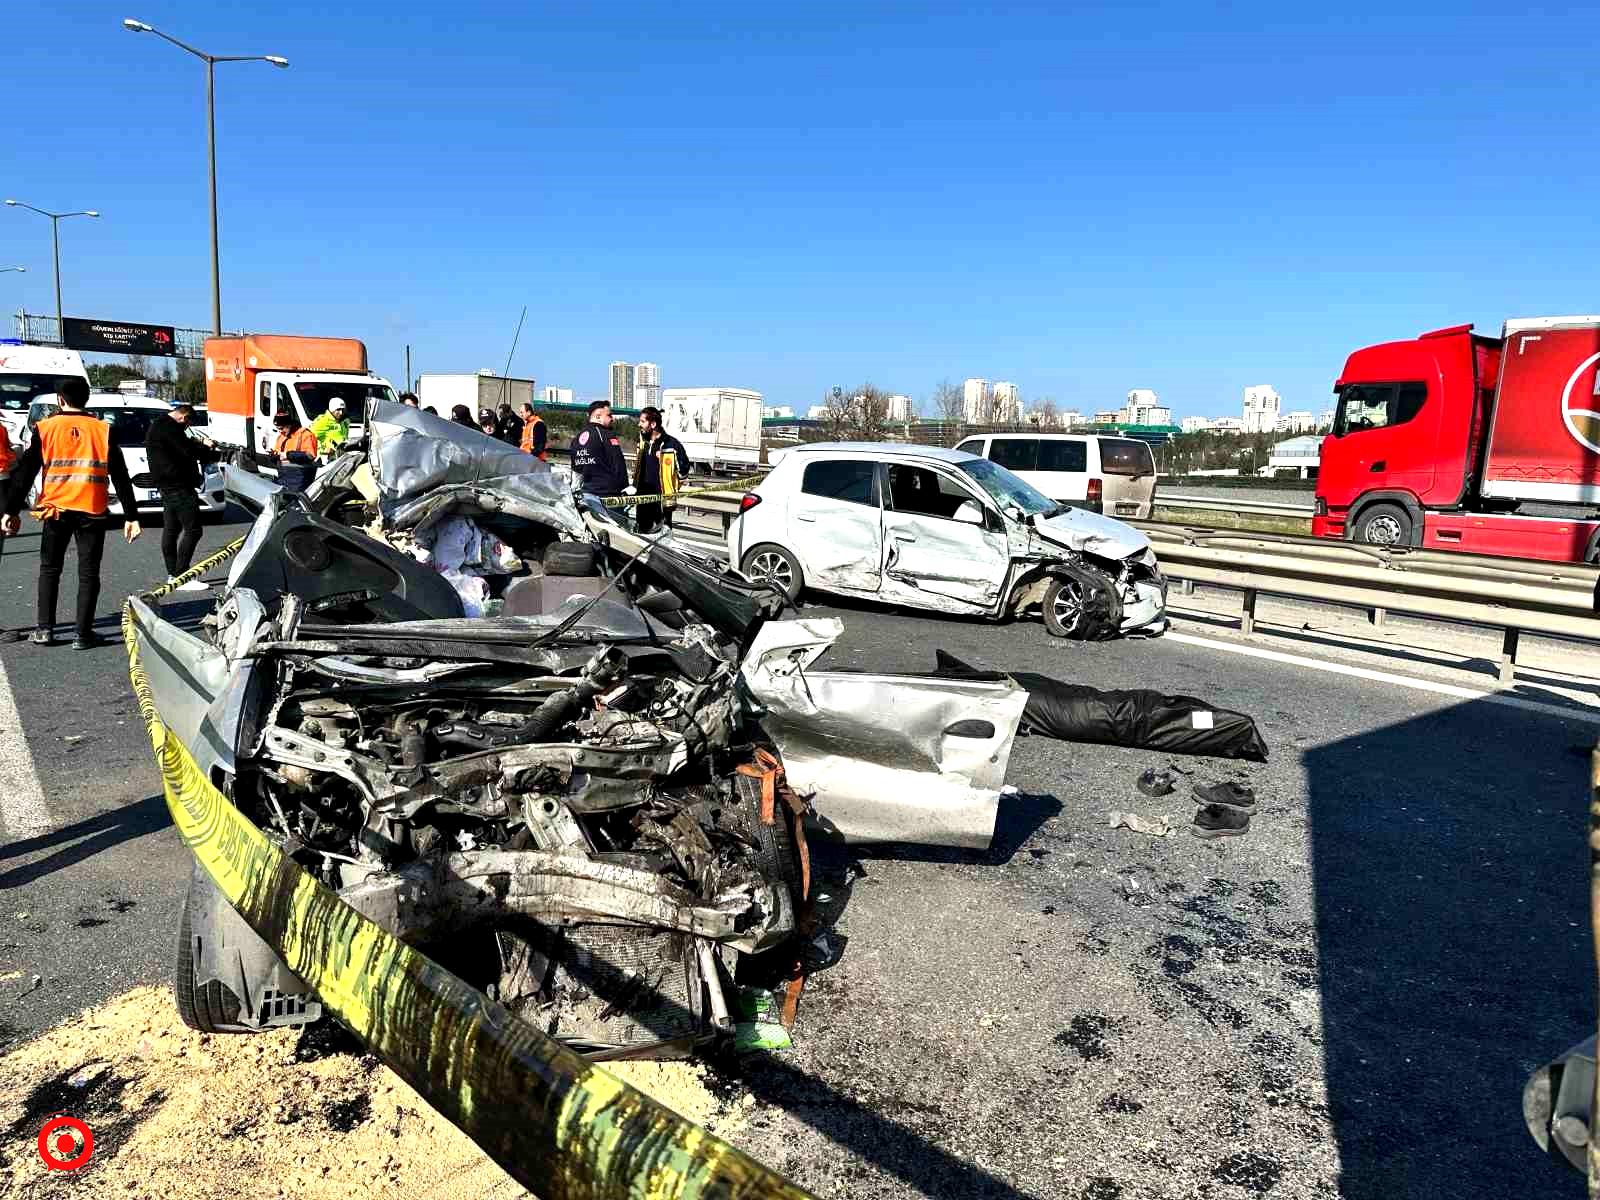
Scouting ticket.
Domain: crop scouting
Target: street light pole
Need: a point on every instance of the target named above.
(211, 61)
(55, 242)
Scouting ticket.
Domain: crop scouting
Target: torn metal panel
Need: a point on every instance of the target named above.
(887, 758)
(426, 467)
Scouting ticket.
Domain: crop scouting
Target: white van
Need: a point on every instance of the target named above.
(1103, 473)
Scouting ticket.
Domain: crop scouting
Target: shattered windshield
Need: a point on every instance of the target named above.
(1006, 489)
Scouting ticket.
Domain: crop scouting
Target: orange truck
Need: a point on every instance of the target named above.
(251, 376)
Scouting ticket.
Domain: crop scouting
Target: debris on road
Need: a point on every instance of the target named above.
(292, 1113)
(1156, 783)
(1137, 718)
(1154, 826)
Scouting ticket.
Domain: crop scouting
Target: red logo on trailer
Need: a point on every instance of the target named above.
(1582, 415)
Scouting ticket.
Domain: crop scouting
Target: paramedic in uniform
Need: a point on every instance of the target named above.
(648, 474)
(77, 467)
(597, 455)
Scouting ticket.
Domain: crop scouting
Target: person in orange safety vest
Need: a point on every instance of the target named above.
(8, 460)
(534, 433)
(295, 451)
(77, 467)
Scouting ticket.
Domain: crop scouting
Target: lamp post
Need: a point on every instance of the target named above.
(55, 239)
(211, 60)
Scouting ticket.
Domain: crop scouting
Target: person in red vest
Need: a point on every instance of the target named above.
(77, 467)
(8, 460)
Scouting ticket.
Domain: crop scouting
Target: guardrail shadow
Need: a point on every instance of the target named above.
(1450, 869)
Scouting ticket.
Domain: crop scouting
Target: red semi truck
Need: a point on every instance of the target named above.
(1455, 441)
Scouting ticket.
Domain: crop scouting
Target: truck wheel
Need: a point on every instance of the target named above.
(1081, 603)
(1384, 525)
(775, 565)
(207, 1007)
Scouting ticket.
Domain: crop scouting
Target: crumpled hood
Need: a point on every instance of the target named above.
(1082, 530)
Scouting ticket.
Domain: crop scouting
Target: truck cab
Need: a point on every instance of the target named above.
(249, 378)
(1407, 436)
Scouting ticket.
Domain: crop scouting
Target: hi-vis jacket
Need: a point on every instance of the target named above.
(77, 467)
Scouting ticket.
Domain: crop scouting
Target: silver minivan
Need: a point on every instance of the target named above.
(1100, 472)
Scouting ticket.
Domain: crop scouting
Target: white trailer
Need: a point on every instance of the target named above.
(478, 391)
(719, 427)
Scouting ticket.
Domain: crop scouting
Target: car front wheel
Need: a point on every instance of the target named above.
(1080, 603)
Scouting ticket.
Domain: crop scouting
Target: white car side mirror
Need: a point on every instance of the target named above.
(969, 513)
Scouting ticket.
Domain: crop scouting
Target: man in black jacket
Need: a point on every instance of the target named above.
(597, 454)
(174, 460)
(653, 440)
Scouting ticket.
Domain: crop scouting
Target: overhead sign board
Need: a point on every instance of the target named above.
(117, 337)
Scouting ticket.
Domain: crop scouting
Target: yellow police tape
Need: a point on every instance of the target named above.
(731, 485)
(560, 1125)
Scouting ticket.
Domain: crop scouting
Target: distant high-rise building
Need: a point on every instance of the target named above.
(646, 385)
(1261, 405)
(1301, 420)
(769, 411)
(1143, 408)
(1325, 419)
(1195, 424)
(975, 408)
(1070, 419)
(621, 385)
(1107, 416)
(1005, 404)
(899, 409)
(558, 395)
(1227, 425)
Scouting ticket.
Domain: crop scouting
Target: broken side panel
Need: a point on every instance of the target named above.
(884, 758)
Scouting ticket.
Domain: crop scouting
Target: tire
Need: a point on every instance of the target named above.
(572, 559)
(1383, 525)
(775, 848)
(206, 1007)
(1081, 603)
(772, 563)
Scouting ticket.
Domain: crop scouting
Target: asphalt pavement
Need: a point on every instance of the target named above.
(1344, 1002)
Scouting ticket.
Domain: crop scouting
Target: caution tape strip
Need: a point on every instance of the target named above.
(558, 1124)
(731, 485)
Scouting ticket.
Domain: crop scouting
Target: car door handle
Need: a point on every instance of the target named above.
(1380, 465)
(904, 537)
(804, 517)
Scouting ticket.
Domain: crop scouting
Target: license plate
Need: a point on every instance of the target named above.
(1127, 509)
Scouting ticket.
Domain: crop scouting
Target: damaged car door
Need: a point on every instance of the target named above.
(943, 546)
(836, 525)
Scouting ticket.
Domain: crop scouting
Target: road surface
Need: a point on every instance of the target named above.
(1345, 1002)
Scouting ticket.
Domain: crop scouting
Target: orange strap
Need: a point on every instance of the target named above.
(769, 769)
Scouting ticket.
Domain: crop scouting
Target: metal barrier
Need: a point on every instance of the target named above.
(1257, 507)
(558, 1124)
(1517, 598)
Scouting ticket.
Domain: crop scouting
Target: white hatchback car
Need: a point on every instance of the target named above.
(948, 531)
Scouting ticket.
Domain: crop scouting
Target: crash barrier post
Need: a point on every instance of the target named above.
(561, 1126)
(1520, 599)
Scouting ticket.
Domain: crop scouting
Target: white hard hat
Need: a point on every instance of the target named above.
(336, 405)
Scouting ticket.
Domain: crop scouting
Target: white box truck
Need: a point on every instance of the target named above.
(28, 373)
(719, 427)
(478, 391)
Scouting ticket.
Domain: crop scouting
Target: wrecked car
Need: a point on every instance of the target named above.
(946, 531)
(575, 767)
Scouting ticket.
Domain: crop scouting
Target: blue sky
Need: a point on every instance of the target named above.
(788, 197)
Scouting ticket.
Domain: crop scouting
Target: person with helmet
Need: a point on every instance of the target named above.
(77, 467)
(534, 434)
(294, 451)
(331, 428)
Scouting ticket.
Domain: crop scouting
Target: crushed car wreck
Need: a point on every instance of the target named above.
(591, 810)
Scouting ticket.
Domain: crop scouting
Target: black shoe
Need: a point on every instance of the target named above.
(1227, 794)
(42, 637)
(91, 641)
(7, 636)
(1215, 821)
